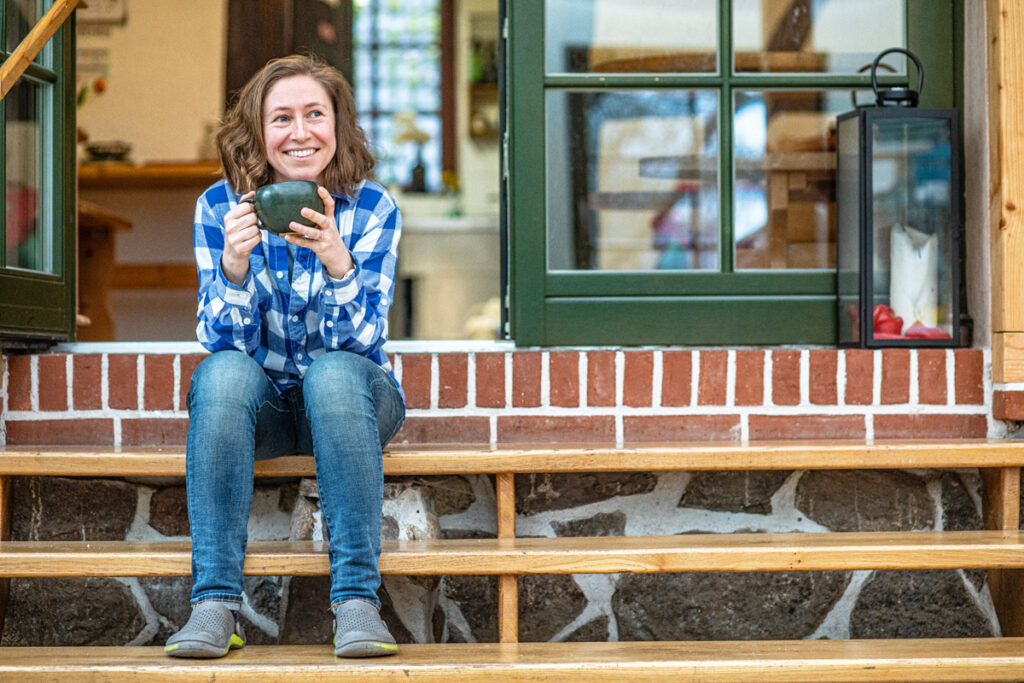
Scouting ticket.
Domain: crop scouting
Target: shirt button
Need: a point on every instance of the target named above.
(280, 273)
(328, 292)
(330, 323)
(295, 318)
(298, 356)
(246, 321)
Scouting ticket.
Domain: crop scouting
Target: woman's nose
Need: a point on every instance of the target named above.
(299, 129)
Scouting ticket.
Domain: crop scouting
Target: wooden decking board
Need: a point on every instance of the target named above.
(475, 459)
(560, 555)
(974, 659)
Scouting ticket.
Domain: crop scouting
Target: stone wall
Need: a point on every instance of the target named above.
(119, 395)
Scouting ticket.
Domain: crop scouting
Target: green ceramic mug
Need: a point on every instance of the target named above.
(278, 204)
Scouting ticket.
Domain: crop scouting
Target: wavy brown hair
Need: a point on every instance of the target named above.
(240, 138)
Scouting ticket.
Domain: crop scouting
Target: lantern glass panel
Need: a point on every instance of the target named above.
(913, 223)
(848, 222)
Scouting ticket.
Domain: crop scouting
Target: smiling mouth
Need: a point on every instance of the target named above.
(300, 153)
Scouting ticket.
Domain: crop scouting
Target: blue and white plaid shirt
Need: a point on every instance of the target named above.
(285, 322)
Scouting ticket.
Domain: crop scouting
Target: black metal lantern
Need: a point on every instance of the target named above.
(898, 220)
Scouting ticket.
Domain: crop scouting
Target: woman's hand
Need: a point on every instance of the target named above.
(241, 235)
(323, 237)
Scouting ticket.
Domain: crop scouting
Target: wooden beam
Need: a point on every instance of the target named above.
(745, 552)
(85, 461)
(1002, 513)
(508, 584)
(154, 276)
(1006, 145)
(34, 42)
(5, 535)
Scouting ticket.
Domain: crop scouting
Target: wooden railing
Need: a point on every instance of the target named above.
(37, 38)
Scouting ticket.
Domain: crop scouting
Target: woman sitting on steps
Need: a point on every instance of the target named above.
(296, 326)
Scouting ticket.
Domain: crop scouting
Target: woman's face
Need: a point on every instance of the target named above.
(298, 129)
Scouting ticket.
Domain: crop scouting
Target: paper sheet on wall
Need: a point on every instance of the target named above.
(914, 276)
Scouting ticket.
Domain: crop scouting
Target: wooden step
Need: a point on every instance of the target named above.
(482, 459)
(932, 660)
(561, 555)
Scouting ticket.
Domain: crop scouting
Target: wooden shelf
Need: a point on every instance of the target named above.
(113, 175)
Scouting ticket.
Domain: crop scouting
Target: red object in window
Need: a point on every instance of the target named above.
(884, 322)
(21, 212)
(919, 331)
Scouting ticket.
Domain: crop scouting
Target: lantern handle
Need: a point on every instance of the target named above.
(898, 95)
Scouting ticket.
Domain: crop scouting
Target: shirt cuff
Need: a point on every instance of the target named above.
(344, 290)
(237, 295)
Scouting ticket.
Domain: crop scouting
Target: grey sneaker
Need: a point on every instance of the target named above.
(211, 631)
(360, 632)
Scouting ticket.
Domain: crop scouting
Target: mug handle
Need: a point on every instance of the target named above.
(252, 200)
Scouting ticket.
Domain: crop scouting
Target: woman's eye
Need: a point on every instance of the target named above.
(315, 114)
(280, 119)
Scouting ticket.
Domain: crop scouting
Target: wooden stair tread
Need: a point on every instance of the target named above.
(966, 659)
(560, 555)
(481, 458)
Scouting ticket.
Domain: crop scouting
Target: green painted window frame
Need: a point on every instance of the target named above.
(675, 307)
(38, 309)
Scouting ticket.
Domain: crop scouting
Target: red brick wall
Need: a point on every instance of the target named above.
(567, 395)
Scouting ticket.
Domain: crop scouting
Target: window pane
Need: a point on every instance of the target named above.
(408, 21)
(632, 180)
(398, 75)
(637, 36)
(784, 178)
(21, 15)
(25, 237)
(816, 36)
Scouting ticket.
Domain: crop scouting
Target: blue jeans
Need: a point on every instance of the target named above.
(346, 410)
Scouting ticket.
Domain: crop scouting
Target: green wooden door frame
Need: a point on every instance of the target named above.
(676, 307)
(36, 308)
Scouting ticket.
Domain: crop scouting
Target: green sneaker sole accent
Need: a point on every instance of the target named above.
(169, 648)
(235, 641)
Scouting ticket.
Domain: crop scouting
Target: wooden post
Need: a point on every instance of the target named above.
(5, 535)
(1002, 512)
(508, 584)
(1006, 212)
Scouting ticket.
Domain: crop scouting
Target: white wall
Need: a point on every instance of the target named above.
(977, 179)
(166, 77)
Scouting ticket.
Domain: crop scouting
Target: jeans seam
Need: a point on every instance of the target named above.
(386, 381)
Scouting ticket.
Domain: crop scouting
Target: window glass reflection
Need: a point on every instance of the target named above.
(637, 36)
(632, 180)
(24, 236)
(21, 16)
(815, 36)
(784, 178)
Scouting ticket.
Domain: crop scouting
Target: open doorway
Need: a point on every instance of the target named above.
(155, 78)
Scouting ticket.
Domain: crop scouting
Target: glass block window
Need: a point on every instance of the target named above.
(397, 56)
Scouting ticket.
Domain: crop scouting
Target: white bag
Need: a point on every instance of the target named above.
(914, 276)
